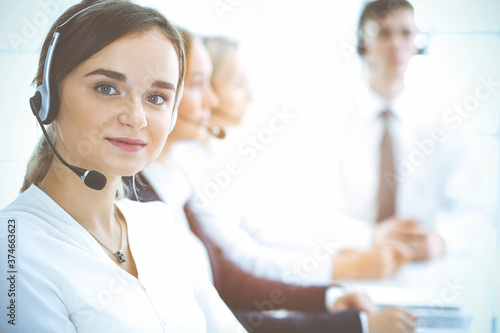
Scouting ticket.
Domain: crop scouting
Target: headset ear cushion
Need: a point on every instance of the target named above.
(53, 108)
(51, 115)
(36, 103)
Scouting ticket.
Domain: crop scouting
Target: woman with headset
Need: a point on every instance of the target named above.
(83, 258)
(245, 293)
(229, 82)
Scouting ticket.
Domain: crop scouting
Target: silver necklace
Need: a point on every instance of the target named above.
(119, 254)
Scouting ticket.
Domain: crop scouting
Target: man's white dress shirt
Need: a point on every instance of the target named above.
(438, 182)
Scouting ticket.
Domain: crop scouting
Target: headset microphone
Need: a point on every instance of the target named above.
(215, 131)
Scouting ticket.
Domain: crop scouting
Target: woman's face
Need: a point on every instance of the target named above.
(230, 85)
(116, 106)
(198, 98)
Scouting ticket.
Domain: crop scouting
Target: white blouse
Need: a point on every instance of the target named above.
(275, 263)
(64, 281)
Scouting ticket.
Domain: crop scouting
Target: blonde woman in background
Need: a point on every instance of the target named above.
(230, 83)
(247, 294)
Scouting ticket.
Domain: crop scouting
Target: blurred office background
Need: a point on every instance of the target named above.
(301, 58)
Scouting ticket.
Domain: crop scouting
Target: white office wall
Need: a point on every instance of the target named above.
(23, 25)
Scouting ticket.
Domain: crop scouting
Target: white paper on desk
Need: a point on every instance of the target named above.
(397, 296)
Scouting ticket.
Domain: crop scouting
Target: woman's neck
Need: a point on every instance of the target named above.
(164, 155)
(93, 209)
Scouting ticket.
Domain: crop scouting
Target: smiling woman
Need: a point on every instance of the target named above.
(134, 105)
(90, 260)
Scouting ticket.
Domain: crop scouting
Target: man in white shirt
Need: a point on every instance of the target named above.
(396, 165)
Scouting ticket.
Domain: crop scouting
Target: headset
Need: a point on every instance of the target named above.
(421, 49)
(215, 131)
(40, 105)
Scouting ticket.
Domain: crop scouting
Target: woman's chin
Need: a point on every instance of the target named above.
(126, 172)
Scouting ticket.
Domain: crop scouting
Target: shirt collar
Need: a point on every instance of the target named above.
(372, 104)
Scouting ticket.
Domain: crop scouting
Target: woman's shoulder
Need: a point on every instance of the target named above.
(30, 206)
(36, 231)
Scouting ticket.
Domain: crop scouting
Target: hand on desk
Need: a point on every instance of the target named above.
(358, 301)
(392, 320)
(425, 244)
(389, 320)
(380, 261)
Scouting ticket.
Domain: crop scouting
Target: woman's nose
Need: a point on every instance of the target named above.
(210, 98)
(133, 114)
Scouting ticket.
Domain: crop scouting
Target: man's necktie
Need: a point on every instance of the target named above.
(386, 198)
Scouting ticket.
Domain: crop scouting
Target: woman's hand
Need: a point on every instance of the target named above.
(425, 244)
(358, 301)
(380, 261)
(392, 320)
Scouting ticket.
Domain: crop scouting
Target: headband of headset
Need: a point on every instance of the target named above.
(40, 102)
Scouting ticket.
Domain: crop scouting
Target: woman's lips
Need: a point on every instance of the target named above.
(126, 144)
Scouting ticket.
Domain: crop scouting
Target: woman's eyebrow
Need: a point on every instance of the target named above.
(163, 85)
(123, 78)
(109, 73)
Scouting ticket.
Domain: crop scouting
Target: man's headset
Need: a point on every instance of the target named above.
(361, 47)
(41, 107)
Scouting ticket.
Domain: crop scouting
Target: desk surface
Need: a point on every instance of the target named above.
(454, 280)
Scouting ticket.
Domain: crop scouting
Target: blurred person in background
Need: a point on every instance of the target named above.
(246, 294)
(230, 83)
(400, 168)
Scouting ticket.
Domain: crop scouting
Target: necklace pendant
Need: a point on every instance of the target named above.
(120, 256)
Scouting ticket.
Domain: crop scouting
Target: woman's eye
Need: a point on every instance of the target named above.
(106, 89)
(156, 99)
